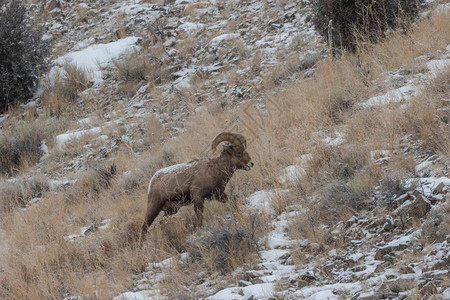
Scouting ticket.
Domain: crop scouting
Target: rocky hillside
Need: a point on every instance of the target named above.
(349, 197)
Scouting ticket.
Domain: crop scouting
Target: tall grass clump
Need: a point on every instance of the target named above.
(20, 147)
(18, 193)
(62, 91)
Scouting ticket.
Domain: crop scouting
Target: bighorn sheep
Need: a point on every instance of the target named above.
(193, 182)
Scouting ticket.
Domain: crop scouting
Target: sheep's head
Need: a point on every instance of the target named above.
(234, 150)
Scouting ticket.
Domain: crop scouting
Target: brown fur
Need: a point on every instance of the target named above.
(201, 179)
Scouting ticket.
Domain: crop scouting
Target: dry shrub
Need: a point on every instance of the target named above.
(186, 47)
(90, 183)
(222, 249)
(20, 146)
(340, 194)
(133, 66)
(337, 163)
(355, 193)
(155, 132)
(358, 20)
(46, 264)
(144, 64)
(426, 116)
(429, 113)
(399, 50)
(226, 246)
(23, 54)
(279, 74)
(392, 186)
(229, 238)
(366, 126)
(308, 224)
(61, 92)
(18, 193)
(324, 100)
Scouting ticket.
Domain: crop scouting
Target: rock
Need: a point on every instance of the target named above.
(386, 250)
(389, 224)
(416, 207)
(383, 292)
(52, 5)
(419, 208)
(402, 199)
(439, 265)
(437, 275)
(405, 270)
(257, 281)
(366, 296)
(428, 289)
(398, 285)
(351, 221)
(439, 189)
(244, 283)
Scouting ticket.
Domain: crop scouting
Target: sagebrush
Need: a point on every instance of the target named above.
(354, 21)
(22, 54)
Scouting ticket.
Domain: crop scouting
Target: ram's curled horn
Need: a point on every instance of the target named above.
(234, 138)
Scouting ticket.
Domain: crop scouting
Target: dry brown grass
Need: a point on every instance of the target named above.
(186, 47)
(60, 94)
(20, 145)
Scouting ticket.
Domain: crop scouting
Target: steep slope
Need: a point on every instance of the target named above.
(349, 197)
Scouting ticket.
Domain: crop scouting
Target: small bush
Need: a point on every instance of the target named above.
(133, 67)
(222, 249)
(340, 194)
(61, 93)
(21, 146)
(146, 64)
(22, 53)
(392, 187)
(357, 20)
(90, 183)
(337, 163)
(19, 193)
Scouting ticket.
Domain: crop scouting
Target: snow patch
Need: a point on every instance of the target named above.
(64, 138)
(262, 200)
(95, 57)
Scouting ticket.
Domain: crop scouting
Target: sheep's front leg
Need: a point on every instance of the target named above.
(198, 208)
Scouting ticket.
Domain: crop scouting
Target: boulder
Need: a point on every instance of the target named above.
(51, 5)
(419, 208)
(439, 189)
(387, 250)
(416, 207)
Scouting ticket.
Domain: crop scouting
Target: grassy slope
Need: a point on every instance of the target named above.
(38, 262)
